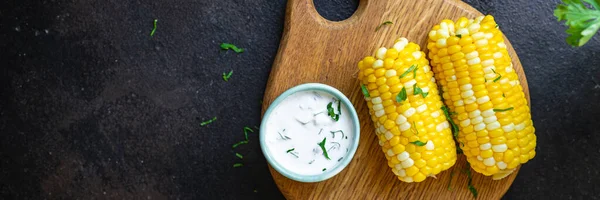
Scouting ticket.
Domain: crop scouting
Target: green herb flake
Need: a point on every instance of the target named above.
(226, 76)
(153, 29)
(498, 78)
(401, 96)
(246, 130)
(383, 24)
(412, 68)
(415, 127)
(290, 150)
(239, 155)
(331, 112)
(239, 143)
(236, 165)
(322, 145)
(204, 123)
(583, 21)
(503, 110)
(459, 36)
(503, 95)
(473, 190)
(227, 46)
(418, 143)
(447, 113)
(450, 181)
(324, 169)
(364, 90)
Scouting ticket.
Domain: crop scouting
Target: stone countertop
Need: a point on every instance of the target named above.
(91, 106)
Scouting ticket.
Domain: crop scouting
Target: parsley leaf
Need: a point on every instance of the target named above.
(322, 145)
(383, 24)
(418, 143)
(238, 165)
(239, 143)
(412, 68)
(583, 22)
(227, 46)
(331, 112)
(447, 113)
(239, 155)
(290, 150)
(401, 95)
(365, 91)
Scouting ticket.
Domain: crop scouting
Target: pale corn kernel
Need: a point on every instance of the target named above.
(390, 152)
(497, 55)
(477, 120)
(388, 135)
(459, 103)
(443, 33)
(488, 62)
(487, 113)
(403, 156)
(409, 84)
(472, 55)
(408, 179)
(400, 44)
(379, 113)
(398, 167)
(416, 54)
(474, 61)
(470, 100)
(483, 99)
(377, 64)
(408, 163)
(390, 73)
(462, 32)
(499, 148)
(465, 123)
(422, 108)
(479, 158)
(489, 161)
(474, 113)
(485, 146)
(501, 165)
(478, 36)
(508, 128)
(405, 126)
(481, 43)
(435, 114)
(441, 43)
(493, 126)
(401, 119)
(408, 113)
(474, 28)
(376, 100)
(441, 126)
(479, 126)
(377, 107)
(490, 119)
(520, 127)
(381, 53)
(467, 93)
(466, 87)
(429, 145)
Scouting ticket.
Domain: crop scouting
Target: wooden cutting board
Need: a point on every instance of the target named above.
(314, 49)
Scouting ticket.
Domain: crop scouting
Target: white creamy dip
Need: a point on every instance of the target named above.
(298, 127)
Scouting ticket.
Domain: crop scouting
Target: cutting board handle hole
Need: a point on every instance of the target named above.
(336, 10)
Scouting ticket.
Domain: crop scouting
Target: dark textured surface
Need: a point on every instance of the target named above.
(91, 106)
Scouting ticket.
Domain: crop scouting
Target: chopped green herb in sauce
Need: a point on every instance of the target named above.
(383, 24)
(227, 46)
(364, 90)
(338, 131)
(238, 165)
(503, 110)
(331, 112)
(324, 169)
(204, 123)
(246, 129)
(290, 150)
(322, 145)
(239, 155)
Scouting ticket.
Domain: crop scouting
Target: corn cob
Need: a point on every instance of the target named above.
(471, 64)
(405, 106)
